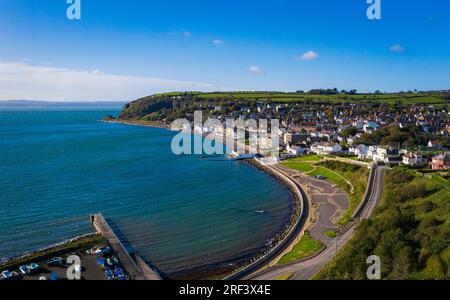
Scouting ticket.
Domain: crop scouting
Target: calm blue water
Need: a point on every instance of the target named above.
(57, 167)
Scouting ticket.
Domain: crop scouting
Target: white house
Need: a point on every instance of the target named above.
(297, 150)
(384, 155)
(413, 159)
(360, 151)
(371, 127)
(326, 148)
(359, 124)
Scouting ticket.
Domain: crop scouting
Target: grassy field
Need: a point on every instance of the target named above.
(405, 98)
(306, 247)
(314, 158)
(330, 175)
(299, 166)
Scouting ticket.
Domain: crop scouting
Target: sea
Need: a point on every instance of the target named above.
(180, 213)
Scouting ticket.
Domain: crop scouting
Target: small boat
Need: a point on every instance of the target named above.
(119, 273)
(236, 156)
(101, 262)
(109, 274)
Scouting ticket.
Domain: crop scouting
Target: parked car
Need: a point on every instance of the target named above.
(56, 261)
(9, 275)
(109, 274)
(320, 177)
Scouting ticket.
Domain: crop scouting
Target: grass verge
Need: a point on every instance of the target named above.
(330, 234)
(307, 246)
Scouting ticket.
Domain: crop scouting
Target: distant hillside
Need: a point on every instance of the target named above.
(150, 106)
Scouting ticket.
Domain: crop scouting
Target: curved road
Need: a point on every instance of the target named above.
(305, 270)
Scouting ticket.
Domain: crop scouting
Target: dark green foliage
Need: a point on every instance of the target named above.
(410, 232)
(350, 131)
(395, 136)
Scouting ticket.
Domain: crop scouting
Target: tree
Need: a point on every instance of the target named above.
(349, 131)
(434, 269)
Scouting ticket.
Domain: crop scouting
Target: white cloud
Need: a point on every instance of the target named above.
(310, 55)
(255, 70)
(397, 49)
(22, 81)
(218, 42)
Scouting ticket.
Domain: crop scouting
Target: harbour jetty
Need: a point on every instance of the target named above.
(135, 265)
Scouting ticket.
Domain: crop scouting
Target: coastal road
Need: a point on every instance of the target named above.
(305, 270)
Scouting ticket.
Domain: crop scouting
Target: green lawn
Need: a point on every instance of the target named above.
(299, 166)
(306, 158)
(330, 234)
(330, 175)
(306, 247)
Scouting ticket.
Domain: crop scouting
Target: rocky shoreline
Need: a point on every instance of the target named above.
(49, 251)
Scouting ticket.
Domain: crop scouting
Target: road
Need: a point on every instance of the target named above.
(305, 270)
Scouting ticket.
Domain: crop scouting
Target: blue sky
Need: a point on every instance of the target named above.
(121, 50)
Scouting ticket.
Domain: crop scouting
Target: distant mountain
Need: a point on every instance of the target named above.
(44, 104)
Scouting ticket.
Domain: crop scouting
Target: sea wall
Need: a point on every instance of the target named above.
(285, 242)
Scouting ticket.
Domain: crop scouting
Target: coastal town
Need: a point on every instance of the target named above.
(404, 133)
(330, 149)
(215, 149)
(334, 150)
